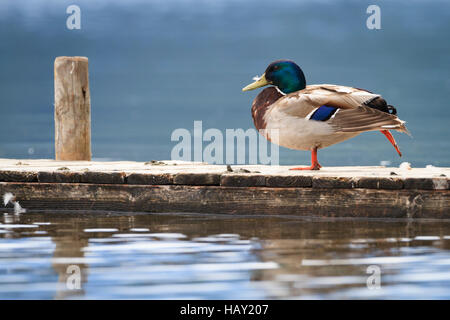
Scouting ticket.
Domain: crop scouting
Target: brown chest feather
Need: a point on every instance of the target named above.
(261, 104)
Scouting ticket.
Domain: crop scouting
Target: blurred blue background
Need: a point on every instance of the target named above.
(158, 65)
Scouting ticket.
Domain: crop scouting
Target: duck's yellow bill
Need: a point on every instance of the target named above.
(261, 82)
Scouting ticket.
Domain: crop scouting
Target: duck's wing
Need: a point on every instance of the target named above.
(365, 118)
(338, 96)
(314, 96)
(345, 109)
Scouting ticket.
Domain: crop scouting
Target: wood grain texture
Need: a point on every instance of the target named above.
(196, 187)
(371, 203)
(72, 109)
(151, 179)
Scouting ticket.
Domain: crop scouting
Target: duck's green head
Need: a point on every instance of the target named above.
(286, 75)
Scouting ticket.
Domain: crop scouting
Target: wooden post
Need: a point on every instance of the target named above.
(72, 109)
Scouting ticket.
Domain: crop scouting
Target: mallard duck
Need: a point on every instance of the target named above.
(317, 116)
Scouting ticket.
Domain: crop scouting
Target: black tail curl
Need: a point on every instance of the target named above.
(380, 104)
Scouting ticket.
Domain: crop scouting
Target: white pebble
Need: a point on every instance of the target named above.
(405, 166)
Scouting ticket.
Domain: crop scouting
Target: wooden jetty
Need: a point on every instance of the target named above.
(174, 186)
(73, 182)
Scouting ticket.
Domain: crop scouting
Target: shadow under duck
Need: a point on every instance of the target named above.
(316, 116)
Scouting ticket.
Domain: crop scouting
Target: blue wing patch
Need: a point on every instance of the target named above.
(323, 113)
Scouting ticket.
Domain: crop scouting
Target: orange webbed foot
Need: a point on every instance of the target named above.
(314, 163)
(316, 166)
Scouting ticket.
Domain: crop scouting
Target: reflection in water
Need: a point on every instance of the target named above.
(219, 257)
(68, 253)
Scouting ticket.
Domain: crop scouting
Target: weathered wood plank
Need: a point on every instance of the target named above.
(233, 200)
(150, 178)
(243, 180)
(191, 172)
(196, 187)
(289, 181)
(333, 182)
(427, 183)
(103, 177)
(18, 176)
(197, 179)
(59, 177)
(380, 183)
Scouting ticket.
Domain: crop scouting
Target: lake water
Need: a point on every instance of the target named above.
(159, 65)
(184, 256)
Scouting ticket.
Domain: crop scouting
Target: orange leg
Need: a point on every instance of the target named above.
(314, 163)
(391, 139)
